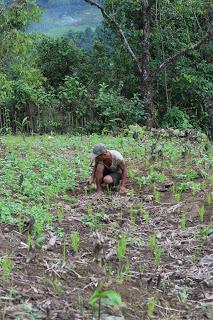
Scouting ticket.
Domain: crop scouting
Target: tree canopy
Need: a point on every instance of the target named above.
(148, 59)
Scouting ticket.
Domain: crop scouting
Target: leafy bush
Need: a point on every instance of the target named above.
(177, 119)
(112, 110)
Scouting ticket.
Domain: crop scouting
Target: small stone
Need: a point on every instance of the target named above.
(109, 317)
(207, 260)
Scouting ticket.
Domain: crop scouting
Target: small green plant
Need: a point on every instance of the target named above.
(55, 284)
(132, 193)
(152, 241)
(201, 213)
(157, 195)
(183, 221)
(188, 174)
(141, 270)
(22, 125)
(131, 173)
(182, 293)
(7, 267)
(65, 249)
(101, 297)
(140, 208)
(211, 178)
(93, 220)
(60, 214)
(132, 213)
(89, 210)
(20, 222)
(127, 269)
(146, 216)
(209, 199)
(151, 307)
(75, 241)
(157, 255)
(205, 231)
(119, 275)
(178, 197)
(121, 247)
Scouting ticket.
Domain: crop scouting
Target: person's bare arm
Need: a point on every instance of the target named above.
(123, 167)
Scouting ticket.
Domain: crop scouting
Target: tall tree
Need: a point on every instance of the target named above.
(115, 15)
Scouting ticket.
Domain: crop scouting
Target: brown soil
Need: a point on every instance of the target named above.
(45, 284)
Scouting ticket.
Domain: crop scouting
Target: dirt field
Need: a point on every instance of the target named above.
(166, 271)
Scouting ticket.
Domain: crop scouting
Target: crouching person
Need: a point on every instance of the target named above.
(109, 168)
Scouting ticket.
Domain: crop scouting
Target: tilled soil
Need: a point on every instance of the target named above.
(50, 281)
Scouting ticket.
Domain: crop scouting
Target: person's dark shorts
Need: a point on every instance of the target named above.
(116, 176)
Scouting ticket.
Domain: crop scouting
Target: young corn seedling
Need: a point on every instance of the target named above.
(157, 255)
(131, 173)
(178, 197)
(64, 249)
(132, 214)
(183, 221)
(157, 195)
(211, 179)
(209, 199)
(201, 213)
(89, 210)
(60, 214)
(151, 307)
(75, 241)
(146, 216)
(55, 284)
(152, 241)
(121, 247)
(20, 223)
(127, 269)
(7, 267)
(132, 193)
(140, 208)
(119, 276)
(141, 270)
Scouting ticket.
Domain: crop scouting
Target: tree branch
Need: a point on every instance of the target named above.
(182, 52)
(121, 33)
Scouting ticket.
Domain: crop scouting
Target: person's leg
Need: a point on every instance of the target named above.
(112, 178)
(99, 176)
(108, 179)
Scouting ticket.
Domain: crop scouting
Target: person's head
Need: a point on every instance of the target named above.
(99, 152)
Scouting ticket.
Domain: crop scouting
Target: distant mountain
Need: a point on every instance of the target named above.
(61, 17)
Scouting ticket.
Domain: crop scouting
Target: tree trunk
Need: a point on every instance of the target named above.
(147, 81)
(209, 107)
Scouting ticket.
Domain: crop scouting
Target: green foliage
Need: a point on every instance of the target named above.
(114, 110)
(101, 297)
(177, 119)
(93, 221)
(57, 58)
(73, 96)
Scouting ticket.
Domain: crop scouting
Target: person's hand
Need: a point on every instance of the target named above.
(122, 189)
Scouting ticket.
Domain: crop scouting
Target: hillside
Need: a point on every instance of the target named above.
(60, 17)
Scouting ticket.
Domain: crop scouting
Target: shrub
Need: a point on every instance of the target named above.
(177, 119)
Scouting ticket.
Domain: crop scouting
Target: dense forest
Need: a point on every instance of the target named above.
(147, 65)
